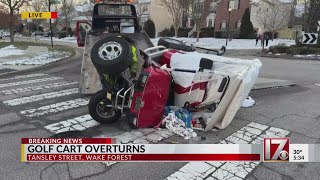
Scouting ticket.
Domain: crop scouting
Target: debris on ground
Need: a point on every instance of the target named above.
(179, 121)
(248, 102)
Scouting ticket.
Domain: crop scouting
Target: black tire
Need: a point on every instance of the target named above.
(175, 44)
(95, 106)
(116, 65)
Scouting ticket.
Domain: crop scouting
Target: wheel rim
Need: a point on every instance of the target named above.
(110, 51)
(103, 111)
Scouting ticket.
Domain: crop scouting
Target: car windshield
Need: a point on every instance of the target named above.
(114, 10)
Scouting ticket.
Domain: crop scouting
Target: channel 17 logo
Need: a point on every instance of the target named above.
(276, 149)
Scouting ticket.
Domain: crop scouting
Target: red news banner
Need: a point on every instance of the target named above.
(106, 149)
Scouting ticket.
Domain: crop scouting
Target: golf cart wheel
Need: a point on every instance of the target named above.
(111, 55)
(101, 108)
(175, 44)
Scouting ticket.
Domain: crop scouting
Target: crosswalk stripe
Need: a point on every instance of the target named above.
(54, 108)
(25, 76)
(39, 87)
(139, 136)
(79, 123)
(29, 82)
(253, 133)
(40, 97)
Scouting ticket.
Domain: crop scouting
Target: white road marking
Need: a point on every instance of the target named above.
(39, 87)
(25, 76)
(253, 133)
(145, 136)
(29, 82)
(54, 108)
(40, 97)
(78, 123)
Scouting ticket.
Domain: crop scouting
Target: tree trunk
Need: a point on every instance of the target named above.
(66, 21)
(272, 35)
(198, 32)
(176, 29)
(11, 26)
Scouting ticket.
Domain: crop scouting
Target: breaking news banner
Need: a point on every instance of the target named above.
(107, 149)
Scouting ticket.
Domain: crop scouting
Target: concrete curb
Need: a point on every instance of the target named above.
(289, 57)
(265, 83)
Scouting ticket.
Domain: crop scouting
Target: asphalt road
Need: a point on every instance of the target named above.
(44, 102)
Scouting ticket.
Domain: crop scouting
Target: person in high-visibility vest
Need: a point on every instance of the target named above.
(135, 64)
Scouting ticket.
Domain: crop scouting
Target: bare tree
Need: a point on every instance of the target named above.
(197, 15)
(37, 6)
(275, 18)
(175, 9)
(311, 15)
(67, 6)
(13, 6)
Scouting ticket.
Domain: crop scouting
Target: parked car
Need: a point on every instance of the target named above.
(37, 33)
(48, 34)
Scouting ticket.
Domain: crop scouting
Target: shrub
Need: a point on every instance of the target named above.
(246, 28)
(303, 50)
(207, 32)
(62, 34)
(150, 28)
(268, 33)
(72, 33)
(220, 34)
(183, 32)
(278, 49)
(167, 32)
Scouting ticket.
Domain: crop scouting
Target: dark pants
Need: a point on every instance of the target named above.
(257, 40)
(267, 42)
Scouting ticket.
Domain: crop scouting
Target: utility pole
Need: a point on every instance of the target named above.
(50, 24)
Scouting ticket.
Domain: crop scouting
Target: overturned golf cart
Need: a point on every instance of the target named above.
(129, 76)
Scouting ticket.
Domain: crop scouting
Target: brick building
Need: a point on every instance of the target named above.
(222, 15)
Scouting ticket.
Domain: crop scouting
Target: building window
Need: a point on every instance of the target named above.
(234, 4)
(238, 24)
(210, 23)
(223, 25)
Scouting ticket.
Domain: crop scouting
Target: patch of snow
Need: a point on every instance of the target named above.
(10, 50)
(215, 43)
(66, 39)
(286, 1)
(40, 59)
(278, 54)
(144, 1)
(313, 56)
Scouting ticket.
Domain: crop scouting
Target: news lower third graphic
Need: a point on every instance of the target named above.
(107, 150)
(39, 15)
